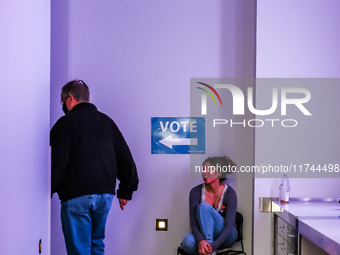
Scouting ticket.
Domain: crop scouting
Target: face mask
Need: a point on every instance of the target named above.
(65, 110)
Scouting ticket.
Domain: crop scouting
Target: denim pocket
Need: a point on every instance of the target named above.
(109, 198)
(78, 205)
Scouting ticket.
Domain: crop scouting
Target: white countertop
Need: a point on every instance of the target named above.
(318, 221)
(311, 209)
(323, 232)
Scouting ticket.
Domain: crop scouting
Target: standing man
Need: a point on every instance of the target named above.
(88, 154)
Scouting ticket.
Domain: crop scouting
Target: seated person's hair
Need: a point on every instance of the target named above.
(221, 161)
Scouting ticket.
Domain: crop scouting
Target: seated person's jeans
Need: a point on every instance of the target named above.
(83, 222)
(211, 225)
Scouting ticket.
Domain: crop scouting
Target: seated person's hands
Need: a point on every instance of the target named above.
(204, 248)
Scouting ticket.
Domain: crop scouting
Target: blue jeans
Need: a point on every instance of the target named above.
(83, 223)
(211, 224)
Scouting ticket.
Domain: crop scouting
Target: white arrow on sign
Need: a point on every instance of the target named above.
(169, 141)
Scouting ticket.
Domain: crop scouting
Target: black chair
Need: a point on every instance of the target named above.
(229, 250)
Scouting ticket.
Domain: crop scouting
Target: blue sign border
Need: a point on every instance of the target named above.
(177, 135)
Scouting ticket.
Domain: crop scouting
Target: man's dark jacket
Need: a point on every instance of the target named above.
(88, 154)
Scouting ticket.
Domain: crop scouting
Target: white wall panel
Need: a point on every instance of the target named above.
(298, 39)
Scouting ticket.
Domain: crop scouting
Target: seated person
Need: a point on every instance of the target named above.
(212, 210)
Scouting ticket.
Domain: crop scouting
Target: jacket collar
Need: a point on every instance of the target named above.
(84, 106)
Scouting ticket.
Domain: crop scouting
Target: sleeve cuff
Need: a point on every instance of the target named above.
(213, 246)
(124, 194)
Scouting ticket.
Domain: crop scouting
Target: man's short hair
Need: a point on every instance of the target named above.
(78, 89)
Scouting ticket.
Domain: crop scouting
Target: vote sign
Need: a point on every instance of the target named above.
(177, 135)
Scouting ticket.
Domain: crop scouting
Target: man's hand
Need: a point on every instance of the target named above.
(204, 248)
(122, 203)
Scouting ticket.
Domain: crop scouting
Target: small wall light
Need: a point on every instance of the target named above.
(161, 224)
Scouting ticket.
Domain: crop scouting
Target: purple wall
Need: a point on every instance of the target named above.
(59, 77)
(138, 58)
(24, 138)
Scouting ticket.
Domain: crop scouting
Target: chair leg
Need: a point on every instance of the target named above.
(180, 251)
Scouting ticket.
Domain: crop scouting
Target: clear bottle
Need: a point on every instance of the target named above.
(284, 189)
